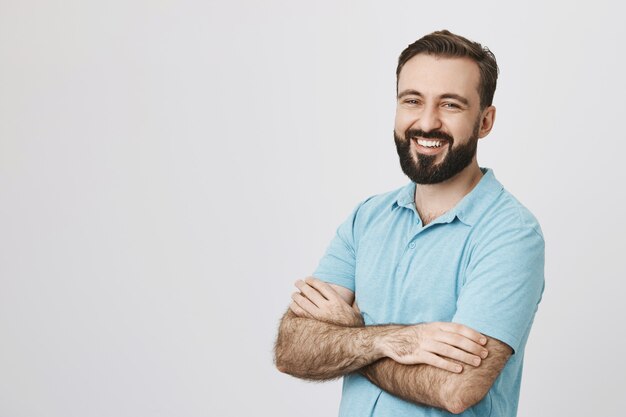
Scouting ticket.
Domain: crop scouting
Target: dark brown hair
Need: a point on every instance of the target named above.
(446, 44)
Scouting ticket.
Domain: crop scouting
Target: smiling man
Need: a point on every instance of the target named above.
(425, 297)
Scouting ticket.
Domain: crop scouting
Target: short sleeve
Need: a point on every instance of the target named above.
(503, 286)
(338, 264)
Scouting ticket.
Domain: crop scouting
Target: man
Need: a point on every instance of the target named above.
(447, 271)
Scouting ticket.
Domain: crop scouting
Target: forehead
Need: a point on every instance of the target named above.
(434, 75)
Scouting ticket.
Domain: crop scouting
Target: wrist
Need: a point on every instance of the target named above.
(381, 340)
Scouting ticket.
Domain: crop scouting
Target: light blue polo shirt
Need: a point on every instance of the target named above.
(480, 264)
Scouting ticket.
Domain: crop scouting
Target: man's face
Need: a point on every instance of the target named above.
(438, 118)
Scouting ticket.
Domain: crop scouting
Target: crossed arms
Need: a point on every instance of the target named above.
(446, 365)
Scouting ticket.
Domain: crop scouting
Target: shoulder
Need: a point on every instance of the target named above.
(505, 215)
(507, 251)
(507, 237)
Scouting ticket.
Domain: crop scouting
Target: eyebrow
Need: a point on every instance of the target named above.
(443, 96)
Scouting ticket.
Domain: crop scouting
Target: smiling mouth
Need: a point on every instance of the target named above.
(430, 143)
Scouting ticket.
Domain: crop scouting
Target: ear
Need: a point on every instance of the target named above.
(487, 120)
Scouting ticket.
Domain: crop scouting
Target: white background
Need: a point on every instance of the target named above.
(169, 168)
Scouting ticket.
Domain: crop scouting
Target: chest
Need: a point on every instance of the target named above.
(406, 273)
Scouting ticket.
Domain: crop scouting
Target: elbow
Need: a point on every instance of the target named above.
(456, 407)
(457, 399)
(282, 365)
(279, 365)
(282, 347)
(287, 361)
(290, 365)
(282, 368)
(460, 404)
(280, 360)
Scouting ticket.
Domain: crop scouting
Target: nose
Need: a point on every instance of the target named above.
(428, 119)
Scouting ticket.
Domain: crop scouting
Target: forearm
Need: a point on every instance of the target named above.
(420, 384)
(427, 385)
(312, 349)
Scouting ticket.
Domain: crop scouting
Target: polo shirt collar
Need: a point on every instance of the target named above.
(406, 196)
(470, 208)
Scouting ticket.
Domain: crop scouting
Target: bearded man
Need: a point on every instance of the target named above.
(447, 270)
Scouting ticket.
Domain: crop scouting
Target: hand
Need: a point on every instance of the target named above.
(432, 343)
(317, 299)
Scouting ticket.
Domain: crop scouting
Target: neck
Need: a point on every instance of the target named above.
(432, 200)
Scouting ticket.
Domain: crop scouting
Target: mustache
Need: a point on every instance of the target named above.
(433, 134)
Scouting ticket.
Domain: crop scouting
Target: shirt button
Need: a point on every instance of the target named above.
(412, 245)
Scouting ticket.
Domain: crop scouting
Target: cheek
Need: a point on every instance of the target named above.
(403, 121)
(460, 129)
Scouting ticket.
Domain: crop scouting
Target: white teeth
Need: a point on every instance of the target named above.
(429, 143)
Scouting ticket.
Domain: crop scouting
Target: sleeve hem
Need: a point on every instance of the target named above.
(491, 331)
(346, 282)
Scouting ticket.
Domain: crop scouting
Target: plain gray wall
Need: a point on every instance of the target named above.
(169, 168)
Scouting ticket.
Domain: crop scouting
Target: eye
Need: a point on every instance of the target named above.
(412, 101)
(451, 106)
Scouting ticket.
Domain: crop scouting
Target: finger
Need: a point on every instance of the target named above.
(304, 303)
(448, 351)
(310, 293)
(298, 311)
(439, 362)
(464, 331)
(461, 342)
(323, 288)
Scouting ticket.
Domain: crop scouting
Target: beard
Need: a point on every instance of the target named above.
(424, 170)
